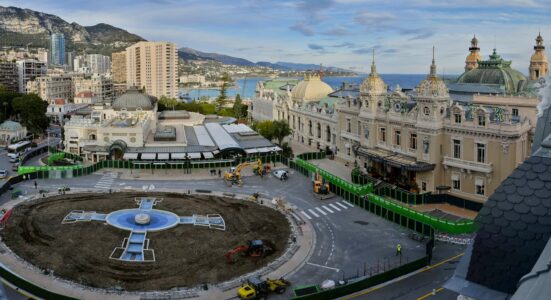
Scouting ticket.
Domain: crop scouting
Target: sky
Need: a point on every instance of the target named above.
(339, 33)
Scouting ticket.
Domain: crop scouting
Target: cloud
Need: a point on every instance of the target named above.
(345, 45)
(373, 19)
(316, 47)
(313, 8)
(303, 29)
(421, 36)
(337, 31)
(366, 50)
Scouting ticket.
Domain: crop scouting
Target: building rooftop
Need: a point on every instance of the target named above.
(10, 126)
(133, 100)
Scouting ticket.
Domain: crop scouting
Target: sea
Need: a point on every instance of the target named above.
(246, 86)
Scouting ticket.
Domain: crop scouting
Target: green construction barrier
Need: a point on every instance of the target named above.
(365, 197)
(363, 284)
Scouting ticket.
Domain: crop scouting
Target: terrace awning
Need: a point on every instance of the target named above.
(251, 151)
(128, 156)
(194, 155)
(208, 155)
(178, 156)
(162, 156)
(395, 159)
(149, 156)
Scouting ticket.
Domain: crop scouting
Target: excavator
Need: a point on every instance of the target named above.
(234, 176)
(256, 248)
(255, 288)
(321, 188)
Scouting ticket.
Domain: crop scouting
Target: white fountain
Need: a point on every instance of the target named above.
(142, 219)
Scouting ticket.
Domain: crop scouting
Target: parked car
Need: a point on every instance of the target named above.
(15, 167)
(3, 173)
(281, 174)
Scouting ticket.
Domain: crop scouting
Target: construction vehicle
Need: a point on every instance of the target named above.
(256, 248)
(254, 197)
(233, 176)
(321, 188)
(255, 288)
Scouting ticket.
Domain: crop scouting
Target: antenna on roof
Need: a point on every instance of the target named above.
(321, 72)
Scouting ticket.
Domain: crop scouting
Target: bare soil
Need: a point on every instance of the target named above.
(186, 255)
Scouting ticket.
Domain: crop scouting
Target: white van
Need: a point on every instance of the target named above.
(14, 157)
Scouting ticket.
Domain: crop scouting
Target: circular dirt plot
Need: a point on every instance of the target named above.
(185, 255)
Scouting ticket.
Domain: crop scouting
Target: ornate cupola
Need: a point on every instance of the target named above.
(472, 59)
(539, 66)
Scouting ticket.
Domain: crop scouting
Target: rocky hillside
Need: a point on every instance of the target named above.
(19, 27)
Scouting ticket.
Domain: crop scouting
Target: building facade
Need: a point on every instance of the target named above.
(29, 70)
(153, 66)
(52, 87)
(118, 67)
(57, 49)
(9, 76)
(98, 64)
(539, 66)
(100, 85)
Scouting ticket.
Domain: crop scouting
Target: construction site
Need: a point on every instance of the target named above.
(184, 256)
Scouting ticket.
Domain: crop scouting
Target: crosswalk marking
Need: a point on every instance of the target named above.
(313, 213)
(334, 207)
(327, 208)
(347, 203)
(339, 204)
(307, 216)
(321, 211)
(106, 181)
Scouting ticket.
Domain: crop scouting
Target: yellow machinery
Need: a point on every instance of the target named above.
(255, 288)
(234, 176)
(320, 186)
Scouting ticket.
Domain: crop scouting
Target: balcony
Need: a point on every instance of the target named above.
(350, 135)
(467, 165)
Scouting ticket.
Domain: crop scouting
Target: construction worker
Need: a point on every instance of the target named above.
(398, 250)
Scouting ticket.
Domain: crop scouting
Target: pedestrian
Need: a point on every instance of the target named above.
(35, 185)
(219, 173)
(398, 250)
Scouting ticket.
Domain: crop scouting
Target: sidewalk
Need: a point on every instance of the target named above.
(175, 174)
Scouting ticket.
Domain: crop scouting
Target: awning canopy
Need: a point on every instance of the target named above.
(194, 155)
(128, 156)
(395, 159)
(178, 155)
(162, 156)
(208, 155)
(264, 150)
(251, 151)
(149, 156)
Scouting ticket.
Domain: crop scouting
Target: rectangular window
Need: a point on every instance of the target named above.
(397, 137)
(480, 152)
(359, 128)
(457, 118)
(515, 112)
(481, 120)
(348, 126)
(382, 134)
(456, 183)
(479, 186)
(456, 149)
(413, 141)
(424, 186)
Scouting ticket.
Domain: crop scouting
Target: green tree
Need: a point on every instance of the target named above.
(223, 97)
(266, 129)
(239, 109)
(6, 99)
(281, 130)
(167, 102)
(31, 111)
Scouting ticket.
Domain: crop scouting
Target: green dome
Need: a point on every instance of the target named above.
(132, 100)
(496, 72)
(10, 126)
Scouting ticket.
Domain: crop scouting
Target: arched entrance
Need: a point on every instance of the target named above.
(117, 149)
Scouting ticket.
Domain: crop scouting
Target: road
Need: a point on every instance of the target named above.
(348, 240)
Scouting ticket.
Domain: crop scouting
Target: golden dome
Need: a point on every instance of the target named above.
(432, 86)
(373, 84)
(473, 57)
(311, 89)
(538, 56)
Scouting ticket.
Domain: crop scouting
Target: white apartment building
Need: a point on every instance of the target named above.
(52, 87)
(100, 85)
(153, 66)
(28, 70)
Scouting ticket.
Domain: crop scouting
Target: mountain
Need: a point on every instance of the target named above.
(19, 27)
(186, 53)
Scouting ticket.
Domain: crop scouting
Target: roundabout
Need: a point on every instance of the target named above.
(95, 240)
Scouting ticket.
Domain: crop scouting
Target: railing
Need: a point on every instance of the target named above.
(467, 164)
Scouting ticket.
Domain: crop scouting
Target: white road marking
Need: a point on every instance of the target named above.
(347, 203)
(322, 266)
(339, 204)
(307, 216)
(321, 211)
(334, 207)
(313, 213)
(327, 208)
